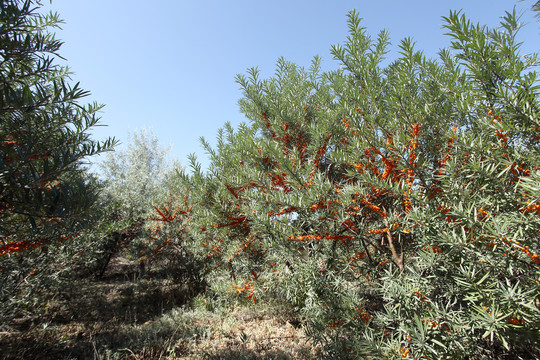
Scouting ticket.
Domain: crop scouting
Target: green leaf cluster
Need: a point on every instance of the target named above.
(46, 198)
(393, 203)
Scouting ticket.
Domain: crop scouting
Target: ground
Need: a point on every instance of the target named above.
(122, 316)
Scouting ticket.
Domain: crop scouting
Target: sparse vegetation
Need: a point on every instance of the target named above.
(122, 316)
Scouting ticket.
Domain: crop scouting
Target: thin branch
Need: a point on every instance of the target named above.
(397, 259)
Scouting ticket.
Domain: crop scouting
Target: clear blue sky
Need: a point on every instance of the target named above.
(170, 65)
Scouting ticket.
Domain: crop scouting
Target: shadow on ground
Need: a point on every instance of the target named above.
(121, 316)
(92, 313)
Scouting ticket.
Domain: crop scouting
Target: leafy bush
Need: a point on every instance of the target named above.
(45, 199)
(135, 180)
(139, 176)
(395, 206)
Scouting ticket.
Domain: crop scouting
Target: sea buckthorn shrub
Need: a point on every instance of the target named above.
(395, 206)
(46, 199)
(135, 179)
(138, 176)
(168, 248)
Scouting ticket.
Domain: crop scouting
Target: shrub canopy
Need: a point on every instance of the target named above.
(395, 205)
(45, 198)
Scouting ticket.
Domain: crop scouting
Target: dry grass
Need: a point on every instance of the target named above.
(249, 334)
(122, 317)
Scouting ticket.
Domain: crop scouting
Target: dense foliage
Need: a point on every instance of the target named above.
(136, 179)
(138, 176)
(46, 199)
(395, 204)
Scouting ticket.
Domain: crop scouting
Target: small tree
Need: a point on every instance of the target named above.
(44, 134)
(139, 176)
(136, 179)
